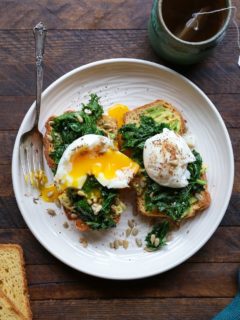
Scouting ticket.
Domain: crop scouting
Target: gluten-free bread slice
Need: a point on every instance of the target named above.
(163, 112)
(8, 310)
(13, 281)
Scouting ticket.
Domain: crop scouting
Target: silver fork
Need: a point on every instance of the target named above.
(31, 142)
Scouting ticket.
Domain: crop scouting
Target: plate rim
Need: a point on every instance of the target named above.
(15, 156)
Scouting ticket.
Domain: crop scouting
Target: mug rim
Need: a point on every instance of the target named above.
(197, 43)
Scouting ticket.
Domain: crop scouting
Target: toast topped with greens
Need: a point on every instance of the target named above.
(79, 147)
(153, 199)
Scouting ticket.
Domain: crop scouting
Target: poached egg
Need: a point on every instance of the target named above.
(166, 157)
(94, 155)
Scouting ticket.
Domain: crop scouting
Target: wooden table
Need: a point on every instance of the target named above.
(81, 31)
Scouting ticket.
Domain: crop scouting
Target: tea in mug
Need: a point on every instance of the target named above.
(177, 13)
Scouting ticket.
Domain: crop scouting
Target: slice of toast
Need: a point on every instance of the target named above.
(8, 310)
(13, 282)
(105, 123)
(178, 126)
(160, 111)
(203, 203)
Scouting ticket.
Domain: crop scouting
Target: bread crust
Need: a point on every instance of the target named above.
(133, 116)
(11, 306)
(204, 197)
(106, 123)
(20, 251)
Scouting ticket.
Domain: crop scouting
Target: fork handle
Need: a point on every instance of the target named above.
(39, 32)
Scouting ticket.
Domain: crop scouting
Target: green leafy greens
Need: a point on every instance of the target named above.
(172, 201)
(175, 202)
(105, 217)
(134, 137)
(156, 238)
(72, 125)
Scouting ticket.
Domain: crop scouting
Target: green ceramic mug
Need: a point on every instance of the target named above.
(176, 50)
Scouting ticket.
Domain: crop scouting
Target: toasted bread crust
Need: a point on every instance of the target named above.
(197, 207)
(133, 116)
(204, 197)
(23, 272)
(12, 308)
(106, 123)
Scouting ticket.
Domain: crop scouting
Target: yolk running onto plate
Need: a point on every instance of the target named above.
(94, 164)
(117, 112)
(49, 193)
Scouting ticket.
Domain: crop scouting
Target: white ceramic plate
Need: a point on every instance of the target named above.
(134, 83)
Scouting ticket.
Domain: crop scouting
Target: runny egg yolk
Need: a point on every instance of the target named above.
(92, 163)
(49, 193)
(117, 112)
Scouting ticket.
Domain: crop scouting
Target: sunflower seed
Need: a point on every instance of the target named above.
(50, 194)
(51, 212)
(128, 232)
(49, 137)
(65, 225)
(138, 242)
(152, 239)
(87, 111)
(80, 119)
(96, 208)
(156, 242)
(125, 244)
(84, 242)
(131, 223)
(116, 244)
(134, 231)
(81, 193)
(57, 203)
(111, 245)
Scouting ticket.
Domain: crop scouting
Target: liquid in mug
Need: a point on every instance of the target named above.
(177, 13)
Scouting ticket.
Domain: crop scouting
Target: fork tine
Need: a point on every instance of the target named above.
(28, 149)
(37, 158)
(23, 162)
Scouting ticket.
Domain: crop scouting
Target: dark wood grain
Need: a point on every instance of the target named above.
(74, 14)
(185, 285)
(82, 31)
(190, 280)
(131, 309)
(69, 49)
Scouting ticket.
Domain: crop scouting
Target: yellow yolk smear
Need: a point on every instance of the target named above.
(92, 163)
(117, 111)
(49, 193)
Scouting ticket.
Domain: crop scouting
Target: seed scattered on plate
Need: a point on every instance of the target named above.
(116, 244)
(84, 242)
(35, 200)
(66, 225)
(51, 212)
(125, 244)
(135, 231)
(111, 245)
(131, 223)
(57, 203)
(128, 232)
(138, 242)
